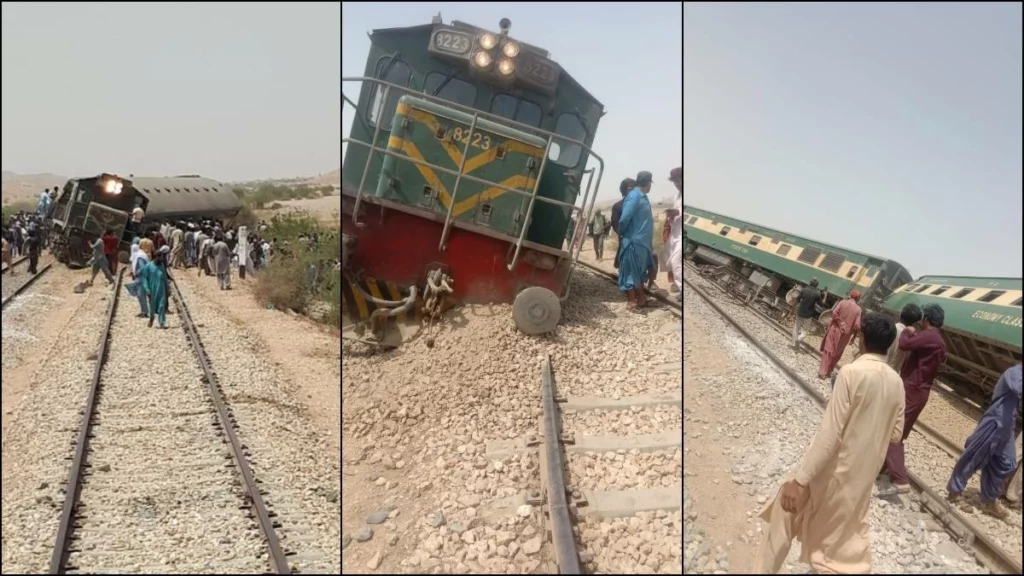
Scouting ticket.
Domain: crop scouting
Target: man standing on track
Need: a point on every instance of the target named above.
(825, 505)
(675, 238)
(845, 323)
(636, 227)
(805, 311)
(624, 187)
(32, 248)
(927, 351)
(110, 243)
(991, 448)
(598, 231)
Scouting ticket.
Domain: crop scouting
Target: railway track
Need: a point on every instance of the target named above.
(675, 306)
(961, 529)
(159, 479)
(17, 262)
(934, 436)
(12, 289)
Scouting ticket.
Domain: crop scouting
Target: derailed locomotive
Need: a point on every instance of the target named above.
(465, 161)
(86, 207)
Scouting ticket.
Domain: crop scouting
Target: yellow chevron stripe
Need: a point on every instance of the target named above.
(517, 181)
(412, 151)
(486, 157)
(361, 304)
(430, 121)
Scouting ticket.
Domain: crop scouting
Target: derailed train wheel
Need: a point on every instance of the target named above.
(536, 310)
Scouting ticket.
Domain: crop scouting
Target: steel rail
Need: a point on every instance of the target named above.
(13, 264)
(940, 439)
(78, 462)
(277, 555)
(24, 286)
(995, 557)
(553, 473)
(676, 307)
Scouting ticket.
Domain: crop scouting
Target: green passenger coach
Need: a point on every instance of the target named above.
(775, 261)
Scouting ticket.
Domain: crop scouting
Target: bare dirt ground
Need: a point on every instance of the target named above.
(306, 353)
(38, 320)
(327, 209)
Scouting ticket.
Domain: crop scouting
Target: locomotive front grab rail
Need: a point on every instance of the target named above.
(443, 245)
(582, 211)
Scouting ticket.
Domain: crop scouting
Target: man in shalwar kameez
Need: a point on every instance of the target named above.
(845, 323)
(927, 351)
(675, 258)
(991, 448)
(825, 505)
(636, 230)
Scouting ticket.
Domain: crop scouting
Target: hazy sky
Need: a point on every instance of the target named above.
(889, 128)
(231, 91)
(627, 55)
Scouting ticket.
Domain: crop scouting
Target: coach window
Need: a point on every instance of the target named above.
(394, 71)
(692, 220)
(940, 290)
(753, 241)
(783, 250)
(991, 296)
(922, 288)
(450, 88)
(524, 111)
(564, 153)
(852, 271)
(1016, 302)
(962, 293)
(725, 231)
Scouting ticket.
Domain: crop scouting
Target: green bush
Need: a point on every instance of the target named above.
(285, 283)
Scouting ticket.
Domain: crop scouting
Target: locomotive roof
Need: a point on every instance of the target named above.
(457, 24)
(765, 229)
(183, 195)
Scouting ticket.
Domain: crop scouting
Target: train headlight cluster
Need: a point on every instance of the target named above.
(506, 67)
(113, 187)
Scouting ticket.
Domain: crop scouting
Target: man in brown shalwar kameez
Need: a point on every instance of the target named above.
(927, 351)
(845, 323)
(825, 505)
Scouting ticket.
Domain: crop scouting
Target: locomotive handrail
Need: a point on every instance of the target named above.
(529, 210)
(548, 135)
(443, 245)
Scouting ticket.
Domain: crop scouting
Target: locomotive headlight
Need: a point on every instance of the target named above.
(510, 49)
(506, 67)
(488, 41)
(113, 187)
(482, 59)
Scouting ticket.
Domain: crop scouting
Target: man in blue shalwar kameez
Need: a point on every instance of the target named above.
(991, 448)
(636, 231)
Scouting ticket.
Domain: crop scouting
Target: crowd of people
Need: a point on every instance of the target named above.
(876, 401)
(632, 220)
(23, 235)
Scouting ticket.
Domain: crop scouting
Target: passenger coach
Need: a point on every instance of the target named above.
(769, 262)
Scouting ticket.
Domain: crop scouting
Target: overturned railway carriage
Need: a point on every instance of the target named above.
(982, 327)
(86, 207)
(466, 160)
(764, 263)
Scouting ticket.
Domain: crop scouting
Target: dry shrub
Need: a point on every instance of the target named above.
(280, 285)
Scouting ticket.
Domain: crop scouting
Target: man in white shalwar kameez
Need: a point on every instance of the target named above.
(825, 505)
(675, 238)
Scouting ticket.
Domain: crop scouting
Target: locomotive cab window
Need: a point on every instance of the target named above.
(991, 295)
(564, 153)
(394, 71)
(451, 89)
(508, 106)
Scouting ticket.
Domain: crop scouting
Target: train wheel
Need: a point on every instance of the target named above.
(536, 310)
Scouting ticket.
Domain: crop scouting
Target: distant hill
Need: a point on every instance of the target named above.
(332, 179)
(26, 187)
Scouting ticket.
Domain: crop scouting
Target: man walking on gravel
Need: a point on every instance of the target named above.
(805, 311)
(825, 505)
(598, 231)
(636, 228)
(926, 352)
(845, 323)
(675, 237)
(991, 448)
(909, 316)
